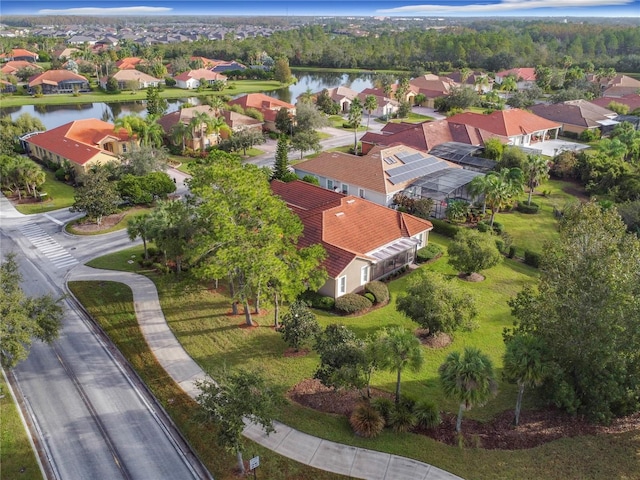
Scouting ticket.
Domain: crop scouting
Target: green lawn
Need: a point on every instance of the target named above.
(59, 195)
(18, 458)
(111, 305)
(530, 232)
(235, 87)
(200, 319)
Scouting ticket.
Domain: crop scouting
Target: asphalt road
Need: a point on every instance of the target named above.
(93, 420)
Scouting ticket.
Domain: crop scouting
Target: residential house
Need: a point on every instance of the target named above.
(268, 106)
(431, 86)
(59, 81)
(13, 66)
(84, 143)
(377, 176)
(343, 96)
(127, 78)
(65, 53)
(223, 66)
(19, 54)
(521, 128)
(525, 77)
(192, 79)
(427, 135)
(576, 116)
(129, 63)
(631, 100)
(363, 241)
(617, 86)
(386, 106)
(480, 82)
(7, 87)
(235, 121)
(81, 40)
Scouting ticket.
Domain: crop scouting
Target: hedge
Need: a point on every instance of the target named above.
(379, 290)
(523, 207)
(532, 258)
(444, 228)
(352, 303)
(427, 253)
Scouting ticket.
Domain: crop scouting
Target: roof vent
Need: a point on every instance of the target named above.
(351, 201)
(339, 214)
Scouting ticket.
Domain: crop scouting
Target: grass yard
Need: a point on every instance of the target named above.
(59, 195)
(200, 319)
(74, 227)
(111, 305)
(18, 458)
(530, 232)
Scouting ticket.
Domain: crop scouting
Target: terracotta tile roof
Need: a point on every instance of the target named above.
(201, 73)
(432, 85)
(206, 62)
(78, 141)
(184, 115)
(506, 123)
(129, 63)
(347, 226)
(381, 100)
(527, 74)
(426, 135)
(261, 102)
(367, 171)
(129, 75)
(53, 77)
(631, 100)
(13, 66)
(576, 112)
(19, 52)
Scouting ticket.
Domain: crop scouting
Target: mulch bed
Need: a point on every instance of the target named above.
(536, 427)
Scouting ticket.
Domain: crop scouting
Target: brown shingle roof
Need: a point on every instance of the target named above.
(576, 112)
(347, 226)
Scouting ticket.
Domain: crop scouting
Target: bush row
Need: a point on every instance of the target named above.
(427, 253)
(523, 207)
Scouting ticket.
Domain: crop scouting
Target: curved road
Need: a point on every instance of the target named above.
(92, 418)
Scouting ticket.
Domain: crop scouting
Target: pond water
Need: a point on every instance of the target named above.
(55, 115)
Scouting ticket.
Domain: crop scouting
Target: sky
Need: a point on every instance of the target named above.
(412, 8)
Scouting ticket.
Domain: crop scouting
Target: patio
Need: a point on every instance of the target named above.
(551, 148)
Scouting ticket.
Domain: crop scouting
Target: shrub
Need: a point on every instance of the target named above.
(370, 296)
(366, 421)
(379, 290)
(402, 419)
(326, 303)
(523, 207)
(384, 406)
(497, 227)
(352, 303)
(160, 268)
(589, 135)
(506, 241)
(152, 252)
(316, 300)
(427, 253)
(532, 258)
(61, 174)
(512, 251)
(311, 179)
(482, 227)
(427, 414)
(444, 228)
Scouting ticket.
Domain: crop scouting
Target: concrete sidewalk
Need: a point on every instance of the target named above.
(307, 449)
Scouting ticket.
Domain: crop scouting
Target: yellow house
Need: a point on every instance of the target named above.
(84, 143)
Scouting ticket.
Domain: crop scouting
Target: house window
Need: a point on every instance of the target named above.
(345, 189)
(361, 192)
(420, 238)
(124, 148)
(342, 285)
(329, 184)
(364, 274)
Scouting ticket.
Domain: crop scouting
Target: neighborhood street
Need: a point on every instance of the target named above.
(91, 417)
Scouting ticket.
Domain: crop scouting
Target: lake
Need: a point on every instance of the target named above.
(55, 115)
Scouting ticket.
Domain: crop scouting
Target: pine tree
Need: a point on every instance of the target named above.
(281, 166)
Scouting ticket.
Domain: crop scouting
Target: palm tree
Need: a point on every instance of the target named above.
(524, 364)
(217, 104)
(465, 73)
(131, 123)
(400, 349)
(478, 188)
(151, 132)
(203, 123)
(535, 169)
(480, 82)
(218, 125)
(501, 187)
(509, 84)
(467, 379)
(306, 96)
(181, 132)
(142, 227)
(370, 104)
(355, 118)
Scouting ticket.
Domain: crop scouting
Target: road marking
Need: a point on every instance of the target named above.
(54, 220)
(48, 246)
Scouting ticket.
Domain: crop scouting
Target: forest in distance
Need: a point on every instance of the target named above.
(482, 44)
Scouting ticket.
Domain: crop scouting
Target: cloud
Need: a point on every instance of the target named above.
(106, 11)
(502, 6)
